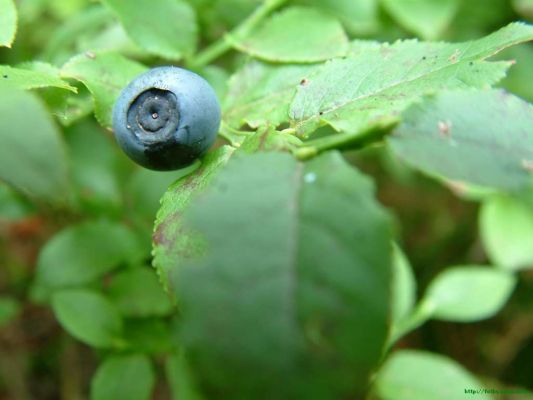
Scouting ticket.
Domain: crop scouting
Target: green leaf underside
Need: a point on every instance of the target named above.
(381, 81)
(303, 245)
(105, 75)
(167, 29)
(88, 316)
(419, 375)
(506, 227)
(33, 157)
(129, 377)
(425, 18)
(467, 294)
(479, 137)
(8, 22)
(297, 34)
(84, 252)
(172, 242)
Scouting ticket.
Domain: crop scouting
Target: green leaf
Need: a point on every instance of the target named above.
(95, 163)
(129, 377)
(105, 75)
(489, 145)
(88, 316)
(358, 17)
(261, 93)
(419, 375)
(9, 308)
(172, 242)
(379, 81)
(295, 278)
(506, 227)
(180, 379)
(26, 78)
(297, 34)
(426, 18)
(167, 29)
(33, 158)
(137, 293)
(524, 8)
(467, 294)
(403, 286)
(148, 335)
(8, 22)
(85, 252)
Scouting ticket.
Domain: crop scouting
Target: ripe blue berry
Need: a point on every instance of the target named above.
(166, 118)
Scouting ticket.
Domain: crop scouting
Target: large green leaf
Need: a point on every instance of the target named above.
(8, 22)
(427, 18)
(379, 81)
(129, 377)
(172, 242)
(418, 375)
(295, 279)
(506, 227)
(105, 75)
(32, 76)
(467, 294)
(260, 93)
(33, 157)
(84, 252)
(297, 34)
(166, 28)
(88, 316)
(489, 145)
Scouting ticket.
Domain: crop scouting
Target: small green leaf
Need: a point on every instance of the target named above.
(82, 253)
(9, 308)
(261, 93)
(403, 286)
(426, 18)
(378, 82)
(358, 17)
(419, 375)
(524, 8)
(8, 22)
(32, 76)
(33, 157)
(506, 227)
(297, 34)
(129, 377)
(148, 335)
(167, 29)
(105, 75)
(467, 294)
(137, 293)
(172, 243)
(307, 247)
(88, 316)
(488, 145)
(180, 379)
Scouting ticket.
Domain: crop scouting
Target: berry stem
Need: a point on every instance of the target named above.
(224, 44)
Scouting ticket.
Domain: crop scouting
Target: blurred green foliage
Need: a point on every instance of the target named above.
(77, 218)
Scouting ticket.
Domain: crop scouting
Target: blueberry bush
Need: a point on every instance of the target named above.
(362, 227)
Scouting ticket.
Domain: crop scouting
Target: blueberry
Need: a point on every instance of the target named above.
(166, 118)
